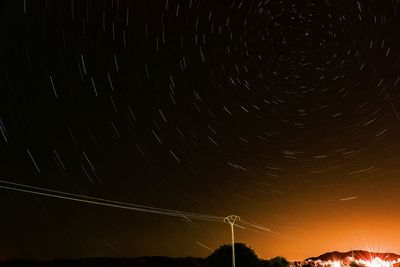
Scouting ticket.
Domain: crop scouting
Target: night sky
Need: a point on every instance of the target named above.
(283, 112)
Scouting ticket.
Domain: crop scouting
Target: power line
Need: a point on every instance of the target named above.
(105, 202)
(41, 191)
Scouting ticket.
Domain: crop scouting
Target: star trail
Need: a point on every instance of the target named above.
(283, 112)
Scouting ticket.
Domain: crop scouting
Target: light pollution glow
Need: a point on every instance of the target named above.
(373, 262)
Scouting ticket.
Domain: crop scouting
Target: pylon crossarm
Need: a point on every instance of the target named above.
(231, 219)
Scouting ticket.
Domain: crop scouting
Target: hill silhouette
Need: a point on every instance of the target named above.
(219, 257)
(358, 254)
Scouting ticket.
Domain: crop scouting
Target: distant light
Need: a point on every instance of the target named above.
(375, 262)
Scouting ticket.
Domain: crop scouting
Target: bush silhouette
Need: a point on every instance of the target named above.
(277, 262)
(222, 257)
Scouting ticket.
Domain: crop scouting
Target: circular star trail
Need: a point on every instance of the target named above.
(283, 112)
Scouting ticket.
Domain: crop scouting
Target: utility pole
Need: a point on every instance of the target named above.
(231, 219)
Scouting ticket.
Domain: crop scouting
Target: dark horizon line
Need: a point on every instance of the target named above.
(5, 258)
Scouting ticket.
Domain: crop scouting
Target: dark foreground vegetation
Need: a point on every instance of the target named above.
(222, 257)
(108, 262)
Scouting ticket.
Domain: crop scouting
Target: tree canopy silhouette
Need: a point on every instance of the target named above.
(222, 257)
(277, 262)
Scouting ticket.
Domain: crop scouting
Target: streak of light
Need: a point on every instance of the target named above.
(204, 246)
(348, 198)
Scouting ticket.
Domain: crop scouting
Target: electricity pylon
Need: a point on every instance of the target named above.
(231, 219)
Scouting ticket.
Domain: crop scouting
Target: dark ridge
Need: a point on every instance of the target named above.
(157, 261)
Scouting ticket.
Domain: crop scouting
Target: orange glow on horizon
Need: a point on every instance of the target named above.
(367, 227)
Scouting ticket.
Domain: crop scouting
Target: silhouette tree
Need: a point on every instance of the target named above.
(222, 257)
(277, 262)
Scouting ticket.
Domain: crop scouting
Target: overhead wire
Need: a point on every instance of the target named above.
(41, 191)
(104, 202)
